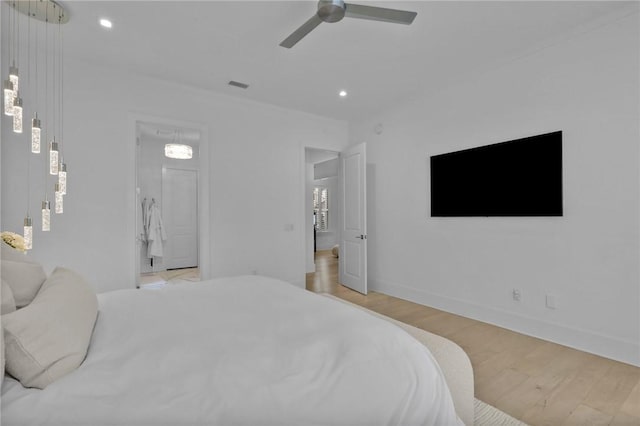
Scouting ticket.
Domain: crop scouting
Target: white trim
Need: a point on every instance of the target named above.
(609, 347)
(204, 185)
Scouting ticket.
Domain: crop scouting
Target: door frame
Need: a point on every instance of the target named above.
(204, 199)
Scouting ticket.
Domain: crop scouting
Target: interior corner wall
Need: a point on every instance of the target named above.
(256, 207)
(588, 87)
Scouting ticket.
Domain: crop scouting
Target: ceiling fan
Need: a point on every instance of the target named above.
(334, 10)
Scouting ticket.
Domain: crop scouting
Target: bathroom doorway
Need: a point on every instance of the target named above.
(168, 193)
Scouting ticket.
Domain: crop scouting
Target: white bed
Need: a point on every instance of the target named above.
(242, 351)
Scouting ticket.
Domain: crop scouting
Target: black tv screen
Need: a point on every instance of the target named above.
(522, 177)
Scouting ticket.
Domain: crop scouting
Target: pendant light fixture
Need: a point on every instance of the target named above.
(36, 124)
(45, 115)
(17, 113)
(46, 216)
(53, 157)
(28, 233)
(59, 200)
(62, 178)
(15, 80)
(36, 131)
(8, 97)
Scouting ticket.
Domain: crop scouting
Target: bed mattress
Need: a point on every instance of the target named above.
(239, 351)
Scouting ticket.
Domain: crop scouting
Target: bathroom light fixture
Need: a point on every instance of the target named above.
(106, 23)
(178, 151)
(343, 93)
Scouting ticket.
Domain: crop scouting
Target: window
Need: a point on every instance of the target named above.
(321, 208)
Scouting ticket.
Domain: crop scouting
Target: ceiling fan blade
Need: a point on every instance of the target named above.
(298, 34)
(379, 14)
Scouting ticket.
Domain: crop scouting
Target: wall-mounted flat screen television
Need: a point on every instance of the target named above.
(522, 177)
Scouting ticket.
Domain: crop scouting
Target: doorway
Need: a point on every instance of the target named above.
(347, 212)
(322, 203)
(171, 237)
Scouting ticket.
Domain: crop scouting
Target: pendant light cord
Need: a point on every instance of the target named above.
(45, 114)
(28, 78)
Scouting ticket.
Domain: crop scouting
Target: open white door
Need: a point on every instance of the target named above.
(353, 239)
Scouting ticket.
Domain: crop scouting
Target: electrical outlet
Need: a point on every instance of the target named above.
(517, 294)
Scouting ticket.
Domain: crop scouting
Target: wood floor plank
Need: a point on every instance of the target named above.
(584, 415)
(504, 382)
(631, 406)
(558, 405)
(622, 419)
(528, 393)
(538, 382)
(612, 390)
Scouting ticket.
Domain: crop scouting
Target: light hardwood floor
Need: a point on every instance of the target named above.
(538, 382)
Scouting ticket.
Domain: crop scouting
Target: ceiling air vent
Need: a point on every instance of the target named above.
(238, 84)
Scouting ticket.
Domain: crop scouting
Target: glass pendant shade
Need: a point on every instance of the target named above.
(8, 97)
(179, 151)
(17, 114)
(36, 131)
(13, 77)
(28, 233)
(53, 157)
(62, 178)
(46, 216)
(59, 200)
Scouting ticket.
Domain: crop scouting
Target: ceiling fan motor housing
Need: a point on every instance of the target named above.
(331, 10)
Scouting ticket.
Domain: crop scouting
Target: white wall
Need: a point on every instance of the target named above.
(588, 87)
(256, 176)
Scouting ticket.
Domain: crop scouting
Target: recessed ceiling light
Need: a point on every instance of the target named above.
(106, 23)
(342, 93)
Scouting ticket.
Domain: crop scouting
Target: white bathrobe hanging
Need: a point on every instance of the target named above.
(156, 233)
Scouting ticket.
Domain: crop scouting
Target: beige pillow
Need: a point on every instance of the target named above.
(49, 338)
(6, 296)
(24, 278)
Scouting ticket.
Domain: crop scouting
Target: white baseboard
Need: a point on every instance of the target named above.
(584, 340)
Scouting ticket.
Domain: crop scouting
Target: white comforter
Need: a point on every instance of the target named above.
(239, 351)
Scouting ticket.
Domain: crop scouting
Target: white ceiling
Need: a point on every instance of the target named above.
(207, 43)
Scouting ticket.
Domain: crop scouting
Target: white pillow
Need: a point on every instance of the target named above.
(49, 338)
(24, 275)
(9, 253)
(24, 278)
(6, 296)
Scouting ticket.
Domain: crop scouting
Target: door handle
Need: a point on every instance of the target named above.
(361, 237)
